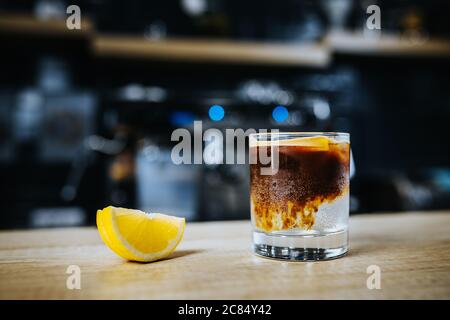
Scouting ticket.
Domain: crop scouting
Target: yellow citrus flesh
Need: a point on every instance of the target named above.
(137, 236)
(319, 143)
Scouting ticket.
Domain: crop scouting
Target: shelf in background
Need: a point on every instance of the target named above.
(28, 25)
(215, 51)
(318, 55)
(355, 43)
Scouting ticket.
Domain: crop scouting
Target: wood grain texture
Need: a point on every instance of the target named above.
(214, 261)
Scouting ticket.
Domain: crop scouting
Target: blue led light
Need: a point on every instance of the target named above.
(181, 118)
(280, 114)
(216, 112)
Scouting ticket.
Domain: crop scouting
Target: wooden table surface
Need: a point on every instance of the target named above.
(214, 261)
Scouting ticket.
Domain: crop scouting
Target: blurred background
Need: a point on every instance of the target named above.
(86, 115)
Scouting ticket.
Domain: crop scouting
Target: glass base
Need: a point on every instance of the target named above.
(314, 247)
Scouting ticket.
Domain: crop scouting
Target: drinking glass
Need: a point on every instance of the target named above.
(299, 194)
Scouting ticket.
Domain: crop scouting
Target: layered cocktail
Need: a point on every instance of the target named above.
(300, 207)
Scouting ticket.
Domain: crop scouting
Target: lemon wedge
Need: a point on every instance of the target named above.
(137, 236)
(319, 143)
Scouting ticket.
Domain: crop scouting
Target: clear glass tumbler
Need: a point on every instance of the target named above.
(299, 194)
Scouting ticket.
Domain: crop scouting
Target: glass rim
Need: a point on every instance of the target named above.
(302, 134)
